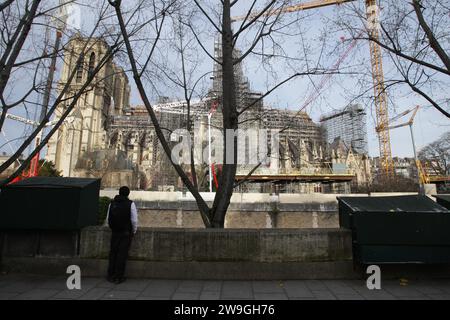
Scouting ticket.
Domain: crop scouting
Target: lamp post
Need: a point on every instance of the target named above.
(421, 185)
(70, 120)
(209, 151)
(211, 111)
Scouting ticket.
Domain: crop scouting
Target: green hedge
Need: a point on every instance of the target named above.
(103, 204)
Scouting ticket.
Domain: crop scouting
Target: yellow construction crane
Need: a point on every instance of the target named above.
(382, 115)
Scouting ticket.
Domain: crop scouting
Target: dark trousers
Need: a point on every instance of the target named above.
(118, 254)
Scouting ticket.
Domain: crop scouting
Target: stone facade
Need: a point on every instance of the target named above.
(81, 146)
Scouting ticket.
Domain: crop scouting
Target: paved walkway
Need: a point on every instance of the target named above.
(39, 287)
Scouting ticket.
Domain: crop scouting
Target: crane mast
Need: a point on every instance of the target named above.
(379, 90)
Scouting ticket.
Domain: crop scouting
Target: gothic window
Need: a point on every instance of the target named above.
(91, 64)
(80, 66)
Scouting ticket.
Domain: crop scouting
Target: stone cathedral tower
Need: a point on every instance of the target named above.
(82, 144)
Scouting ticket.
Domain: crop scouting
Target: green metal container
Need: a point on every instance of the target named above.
(49, 203)
(400, 229)
(443, 200)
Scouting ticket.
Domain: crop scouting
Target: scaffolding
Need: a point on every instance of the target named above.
(349, 125)
(301, 141)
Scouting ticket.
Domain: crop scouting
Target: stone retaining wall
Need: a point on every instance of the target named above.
(258, 245)
(184, 214)
(246, 210)
(188, 253)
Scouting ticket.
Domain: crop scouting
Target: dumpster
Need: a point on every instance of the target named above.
(49, 203)
(443, 200)
(400, 229)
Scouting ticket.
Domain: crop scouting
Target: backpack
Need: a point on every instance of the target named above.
(119, 218)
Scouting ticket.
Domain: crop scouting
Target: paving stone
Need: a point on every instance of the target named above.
(297, 289)
(23, 278)
(237, 290)
(403, 291)
(428, 289)
(362, 283)
(57, 284)
(95, 294)
(415, 298)
(185, 296)
(190, 287)
(210, 295)
(380, 297)
(442, 287)
(212, 285)
(86, 285)
(41, 287)
(90, 281)
(19, 287)
(270, 296)
(160, 288)
(315, 285)
(7, 295)
(71, 294)
(268, 287)
(121, 295)
(445, 285)
(343, 290)
(375, 294)
(132, 285)
(37, 294)
(323, 295)
(6, 282)
(105, 284)
(349, 297)
(152, 298)
(51, 283)
(439, 296)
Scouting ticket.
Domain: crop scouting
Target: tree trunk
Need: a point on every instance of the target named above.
(230, 121)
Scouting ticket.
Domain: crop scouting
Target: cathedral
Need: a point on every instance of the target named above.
(106, 137)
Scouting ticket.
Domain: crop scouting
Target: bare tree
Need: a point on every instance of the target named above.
(65, 94)
(181, 72)
(16, 24)
(436, 155)
(415, 35)
(256, 34)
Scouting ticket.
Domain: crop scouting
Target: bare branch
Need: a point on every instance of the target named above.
(5, 4)
(207, 16)
(434, 43)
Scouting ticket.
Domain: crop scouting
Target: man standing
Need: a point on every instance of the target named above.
(122, 219)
